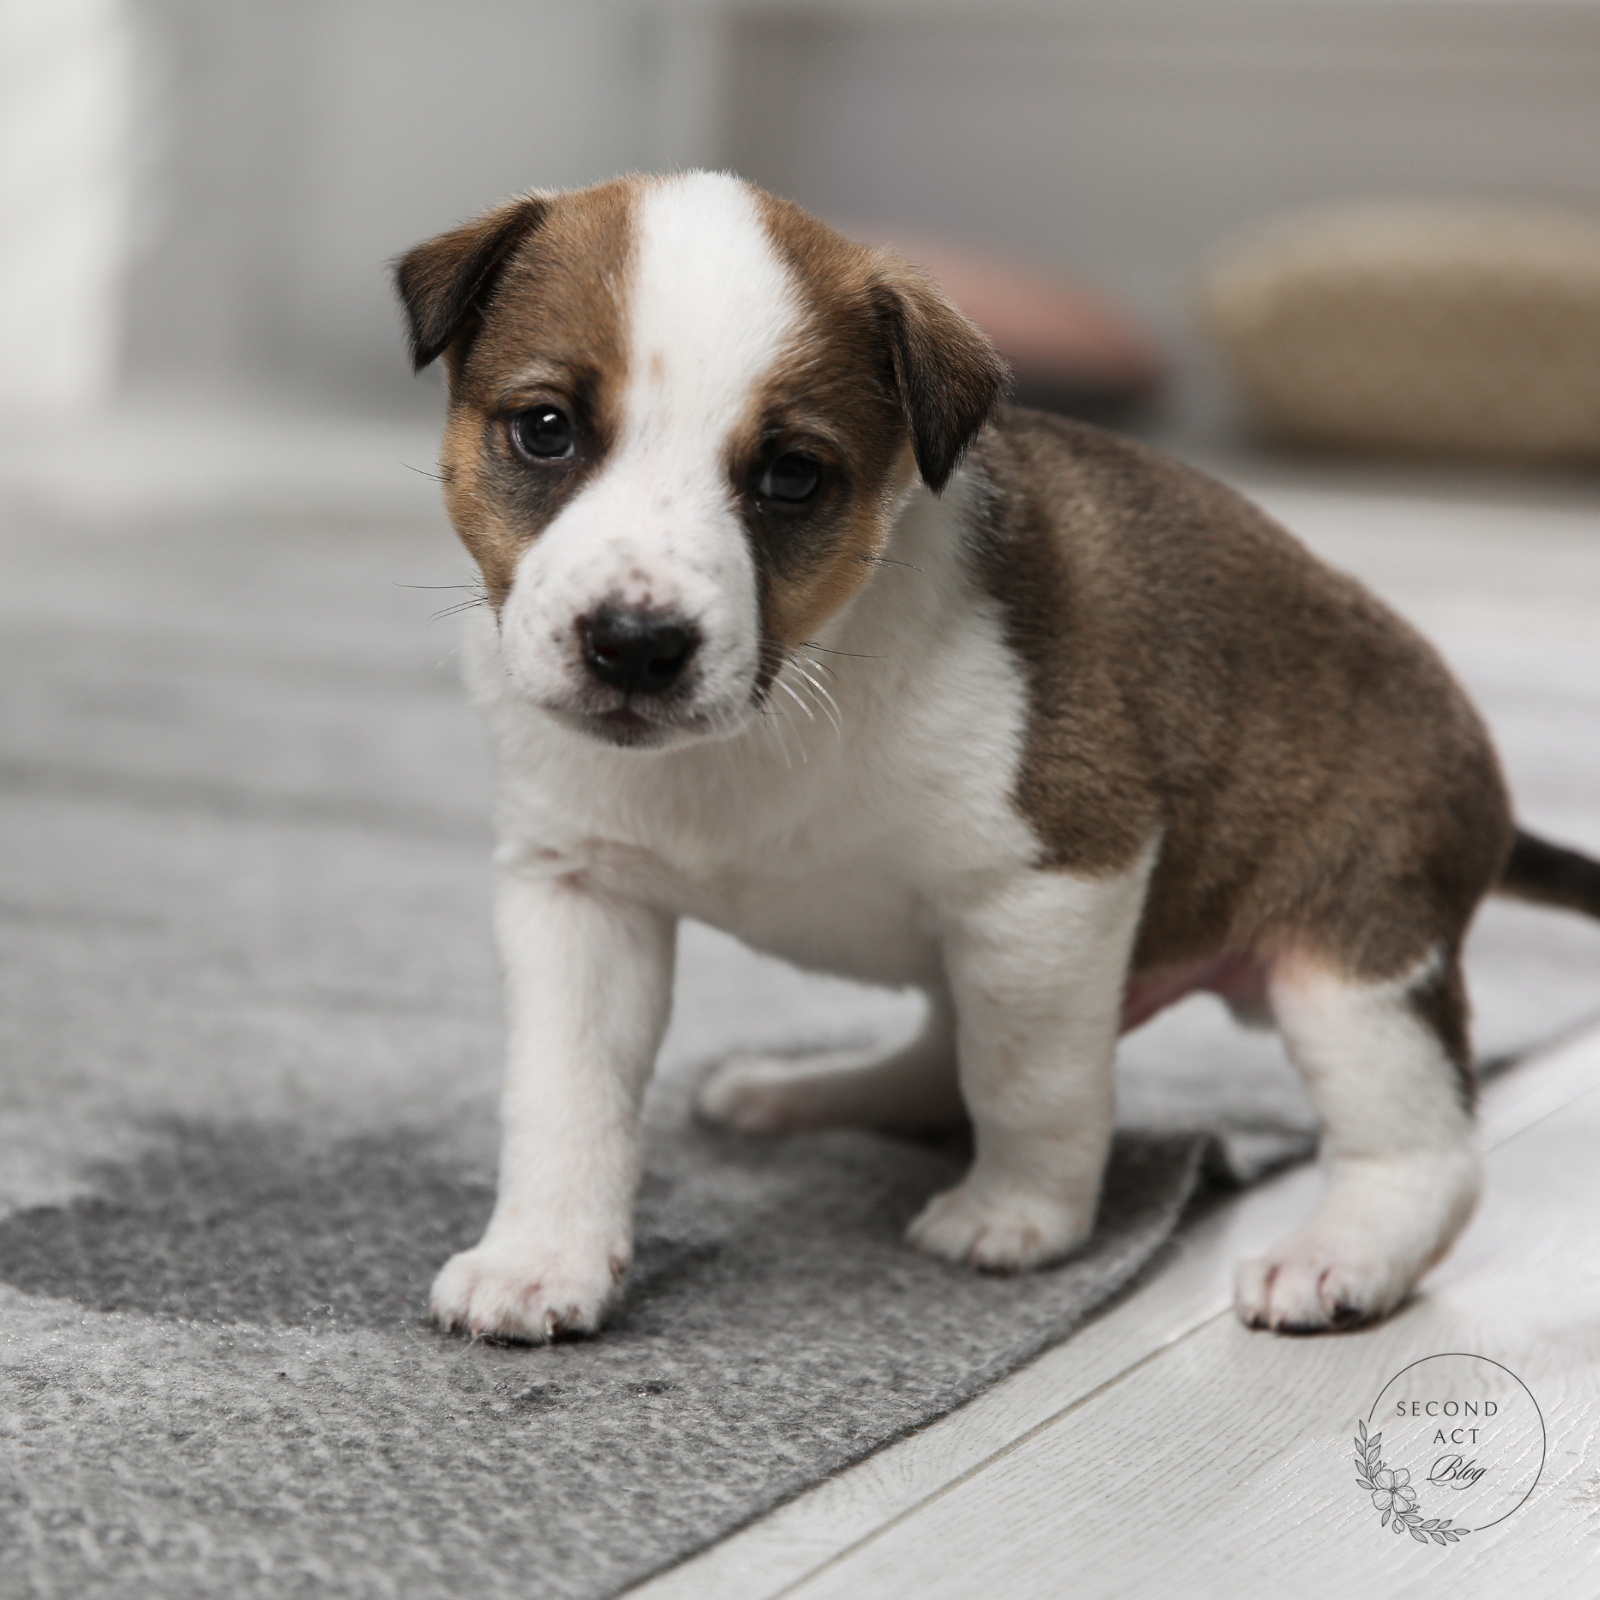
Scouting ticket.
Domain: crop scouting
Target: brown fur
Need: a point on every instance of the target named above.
(830, 397)
(1316, 777)
(446, 283)
(852, 393)
(550, 325)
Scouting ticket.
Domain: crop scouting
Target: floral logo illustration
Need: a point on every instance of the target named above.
(1456, 1433)
(1393, 1495)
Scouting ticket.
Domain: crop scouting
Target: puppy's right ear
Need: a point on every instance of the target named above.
(445, 283)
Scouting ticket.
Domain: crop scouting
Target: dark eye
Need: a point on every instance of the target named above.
(543, 432)
(790, 478)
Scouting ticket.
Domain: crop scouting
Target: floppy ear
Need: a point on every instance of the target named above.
(444, 283)
(949, 376)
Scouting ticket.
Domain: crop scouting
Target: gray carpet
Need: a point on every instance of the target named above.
(249, 1024)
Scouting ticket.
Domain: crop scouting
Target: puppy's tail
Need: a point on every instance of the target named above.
(1552, 875)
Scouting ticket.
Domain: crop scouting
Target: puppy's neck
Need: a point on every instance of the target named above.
(920, 581)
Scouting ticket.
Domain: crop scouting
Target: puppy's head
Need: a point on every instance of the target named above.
(682, 417)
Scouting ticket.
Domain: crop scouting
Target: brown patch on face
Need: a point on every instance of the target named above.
(885, 379)
(551, 330)
(1313, 773)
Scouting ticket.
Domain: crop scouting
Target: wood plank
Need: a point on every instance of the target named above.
(1188, 1289)
(1223, 1464)
(1187, 1284)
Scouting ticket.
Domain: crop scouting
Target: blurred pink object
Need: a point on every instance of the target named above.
(1071, 350)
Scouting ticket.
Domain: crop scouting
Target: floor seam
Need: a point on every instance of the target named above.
(1005, 1450)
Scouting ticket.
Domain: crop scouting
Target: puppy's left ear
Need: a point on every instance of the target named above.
(949, 376)
(445, 283)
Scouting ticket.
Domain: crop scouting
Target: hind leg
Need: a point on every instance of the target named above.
(910, 1090)
(1385, 1066)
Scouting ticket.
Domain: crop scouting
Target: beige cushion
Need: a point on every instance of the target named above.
(1467, 330)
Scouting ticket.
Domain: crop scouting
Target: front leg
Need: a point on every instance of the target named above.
(588, 989)
(1037, 971)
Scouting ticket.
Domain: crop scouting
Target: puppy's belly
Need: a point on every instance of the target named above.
(838, 921)
(1237, 977)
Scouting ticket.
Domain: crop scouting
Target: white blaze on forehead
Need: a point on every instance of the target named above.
(711, 308)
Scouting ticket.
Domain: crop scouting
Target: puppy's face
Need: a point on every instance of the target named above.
(682, 416)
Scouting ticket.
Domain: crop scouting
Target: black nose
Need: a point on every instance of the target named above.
(638, 652)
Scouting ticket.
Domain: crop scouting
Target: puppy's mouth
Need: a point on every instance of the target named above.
(640, 726)
(626, 727)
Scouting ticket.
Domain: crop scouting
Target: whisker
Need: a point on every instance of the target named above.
(831, 711)
(480, 595)
(461, 605)
(789, 690)
(796, 660)
(424, 471)
(811, 661)
(830, 706)
(775, 733)
(811, 644)
(782, 725)
(886, 561)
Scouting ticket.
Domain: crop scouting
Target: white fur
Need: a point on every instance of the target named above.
(710, 307)
(589, 992)
(881, 842)
(834, 846)
(914, 1089)
(864, 824)
(1399, 1149)
(1037, 968)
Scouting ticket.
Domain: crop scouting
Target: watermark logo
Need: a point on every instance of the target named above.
(1452, 1445)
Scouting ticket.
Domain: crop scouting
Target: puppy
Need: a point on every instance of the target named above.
(790, 629)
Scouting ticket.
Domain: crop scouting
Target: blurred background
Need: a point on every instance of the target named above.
(200, 197)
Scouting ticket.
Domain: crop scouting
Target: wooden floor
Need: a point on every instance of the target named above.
(1166, 1450)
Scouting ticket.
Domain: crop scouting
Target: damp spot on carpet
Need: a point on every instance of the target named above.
(254, 1224)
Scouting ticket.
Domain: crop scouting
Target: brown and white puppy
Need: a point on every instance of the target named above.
(1058, 734)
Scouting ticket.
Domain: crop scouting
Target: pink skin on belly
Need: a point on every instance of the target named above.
(1239, 978)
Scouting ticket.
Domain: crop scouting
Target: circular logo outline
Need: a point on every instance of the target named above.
(1367, 1458)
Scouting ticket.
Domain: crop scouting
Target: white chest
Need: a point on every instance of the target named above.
(837, 840)
(798, 860)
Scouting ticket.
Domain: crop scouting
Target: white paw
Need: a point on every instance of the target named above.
(998, 1229)
(758, 1094)
(1310, 1283)
(522, 1290)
